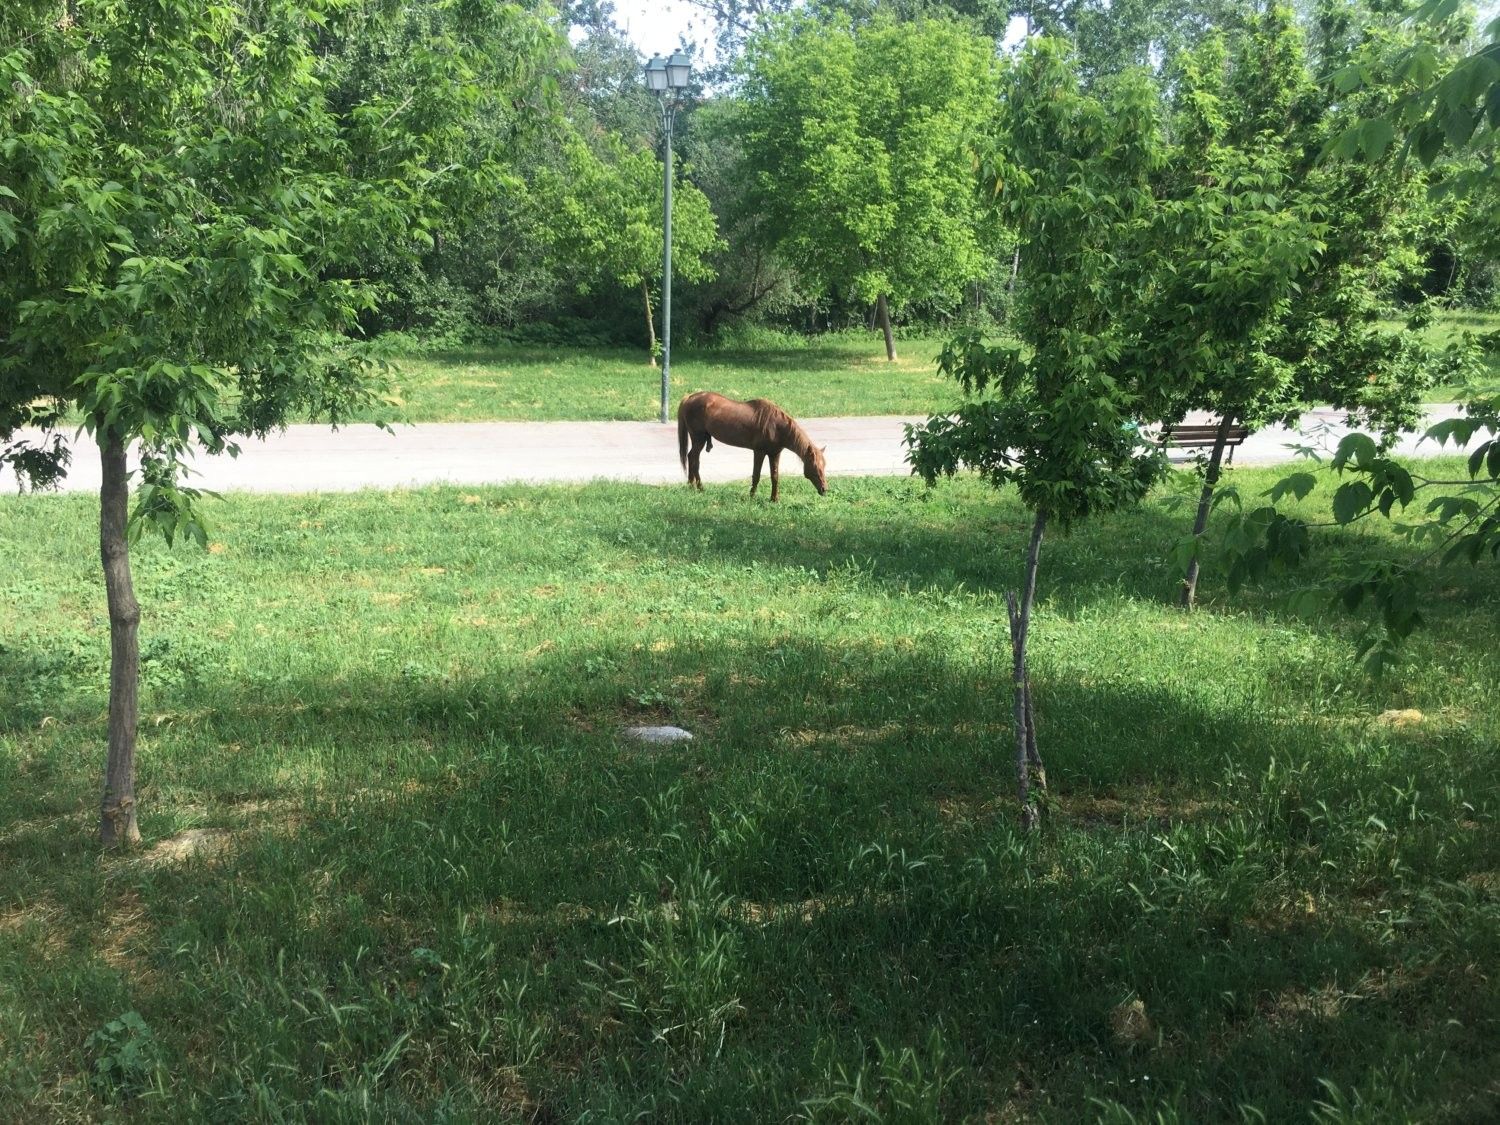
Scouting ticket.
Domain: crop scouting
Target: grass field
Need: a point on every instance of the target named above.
(830, 375)
(1447, 328)
(436, 886)
(833, 375)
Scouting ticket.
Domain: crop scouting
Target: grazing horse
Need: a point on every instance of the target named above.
(759, 425)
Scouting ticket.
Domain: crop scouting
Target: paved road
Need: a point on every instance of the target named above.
(316, 459)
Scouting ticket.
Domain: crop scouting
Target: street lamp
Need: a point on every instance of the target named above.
(667, 78)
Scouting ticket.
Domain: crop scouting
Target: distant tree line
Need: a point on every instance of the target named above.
(826, 167)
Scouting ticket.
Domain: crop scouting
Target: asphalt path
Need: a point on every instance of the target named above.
(318, 459)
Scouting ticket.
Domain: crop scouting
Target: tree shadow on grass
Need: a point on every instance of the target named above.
(904, 722)
(1124, 555)
(830, 863)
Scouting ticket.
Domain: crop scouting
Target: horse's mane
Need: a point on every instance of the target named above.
(771, 418)
(769, 414)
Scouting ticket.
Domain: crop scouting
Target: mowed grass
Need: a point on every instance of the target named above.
(1447, 328)
(833, 375)
(442, 888)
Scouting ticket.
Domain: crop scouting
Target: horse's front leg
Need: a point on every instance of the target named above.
(775, 475)
(760, 458)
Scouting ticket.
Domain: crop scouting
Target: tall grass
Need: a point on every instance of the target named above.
(436, 884)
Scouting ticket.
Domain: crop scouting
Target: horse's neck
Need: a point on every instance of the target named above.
(796, 439)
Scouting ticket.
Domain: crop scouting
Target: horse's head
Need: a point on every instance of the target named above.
(814, 468)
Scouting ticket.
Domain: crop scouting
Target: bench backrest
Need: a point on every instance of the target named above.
(1193, 435)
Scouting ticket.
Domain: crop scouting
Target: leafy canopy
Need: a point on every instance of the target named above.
(186, 192)
(1072, 172)
(603, 208)
(858, 149)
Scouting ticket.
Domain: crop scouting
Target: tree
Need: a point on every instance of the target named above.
(477, 125)
(182, 199)
(1111, 36)
(749, 279)
(1435, 105)
(604, 212)
(1431, 110)
(858, 153)
(1262, 288)
(1073, 173)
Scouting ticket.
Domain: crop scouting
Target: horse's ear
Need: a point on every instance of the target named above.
(822, 449)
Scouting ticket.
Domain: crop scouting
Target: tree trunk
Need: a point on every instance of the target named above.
(1015, 268)
(1205, 503)
(1030, 772)
(650, 324)
(883, 313)
(117, 821)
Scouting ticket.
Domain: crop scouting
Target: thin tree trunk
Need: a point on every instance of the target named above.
(1205, 504)
(1030, 772)
(883, 313)
(117, 821)
(1015, 268)
(650, 324)
(1033, 757)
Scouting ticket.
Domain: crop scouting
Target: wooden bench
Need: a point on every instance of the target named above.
(1186, 435)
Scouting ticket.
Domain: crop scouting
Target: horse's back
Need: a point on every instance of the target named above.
(748, 424)
(699, 404)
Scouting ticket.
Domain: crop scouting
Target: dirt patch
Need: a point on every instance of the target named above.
(1087, 809)
(509, 912)
(36, 923)
(186, 845)
(1130, 1025)
(1403, 719)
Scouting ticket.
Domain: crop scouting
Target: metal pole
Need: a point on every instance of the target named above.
(668, 112)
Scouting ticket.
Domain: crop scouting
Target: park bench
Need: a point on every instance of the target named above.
(1185, 435)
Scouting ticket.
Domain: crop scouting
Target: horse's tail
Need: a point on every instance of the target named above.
(682, 438)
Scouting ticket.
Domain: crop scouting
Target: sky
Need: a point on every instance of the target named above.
(657, 26)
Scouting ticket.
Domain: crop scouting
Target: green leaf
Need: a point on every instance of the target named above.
(1375, 137)
(1358, 447)
(1307, 603)
(1298, 485)
(1347, 79)
(1347, 143)
(1351, 500)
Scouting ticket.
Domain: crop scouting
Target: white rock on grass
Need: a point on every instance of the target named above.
(658, 736)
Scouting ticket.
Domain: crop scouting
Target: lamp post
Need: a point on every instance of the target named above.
(667, 79)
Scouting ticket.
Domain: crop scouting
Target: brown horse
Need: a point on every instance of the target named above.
(759, 425)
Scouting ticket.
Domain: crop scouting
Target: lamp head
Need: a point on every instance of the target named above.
(656, 75)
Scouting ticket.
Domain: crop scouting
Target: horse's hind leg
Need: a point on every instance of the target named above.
(695, 478)
(755, 475)
(775, 475)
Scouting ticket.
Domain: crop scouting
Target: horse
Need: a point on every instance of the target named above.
(758, 424)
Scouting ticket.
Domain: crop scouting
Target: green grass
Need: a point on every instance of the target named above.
(450, 892)
(842, 374)
(1447, 329)
(833, 375)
